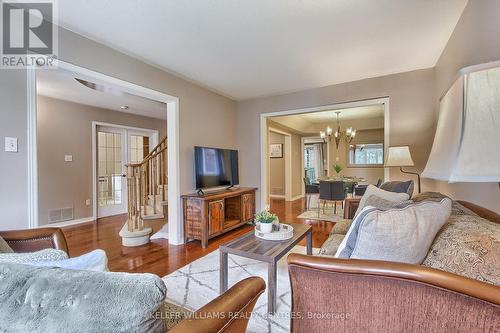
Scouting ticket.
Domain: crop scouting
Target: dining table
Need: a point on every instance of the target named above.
(349, 182)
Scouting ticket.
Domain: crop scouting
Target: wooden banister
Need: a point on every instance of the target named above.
(144, 179)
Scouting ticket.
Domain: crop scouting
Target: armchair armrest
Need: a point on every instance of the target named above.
(385, 296)
(229, 312)
(30, 240)
(351, 206)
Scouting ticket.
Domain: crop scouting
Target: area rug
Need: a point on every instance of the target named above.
(197, 283)
(326, 215)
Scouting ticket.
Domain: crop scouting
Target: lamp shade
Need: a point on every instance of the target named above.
(399, 157)
(466, 146)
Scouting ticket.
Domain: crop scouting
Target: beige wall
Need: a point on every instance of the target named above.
(277, 167)
(205, 117)
(475, 40)
(66, 128)
(411, 119)
(295, 158)
(339, 156)
(13, 166)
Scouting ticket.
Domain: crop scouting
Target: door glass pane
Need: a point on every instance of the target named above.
(109, 167)
(138, 148)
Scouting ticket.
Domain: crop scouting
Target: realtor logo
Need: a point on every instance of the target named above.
(29, 33)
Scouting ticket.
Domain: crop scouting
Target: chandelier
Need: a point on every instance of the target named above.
(328, 133)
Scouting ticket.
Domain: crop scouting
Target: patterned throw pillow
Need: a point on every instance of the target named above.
(4, 247)
(30, 257)
(401, 235)
(469, 246)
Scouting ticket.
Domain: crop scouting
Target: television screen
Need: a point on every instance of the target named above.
(215, 167)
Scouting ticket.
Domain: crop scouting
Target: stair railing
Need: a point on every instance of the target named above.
(143, 181)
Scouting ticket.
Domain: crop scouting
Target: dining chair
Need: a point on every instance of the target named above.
(349, 187)
(310, 190)
(331, 191)
(359, 190)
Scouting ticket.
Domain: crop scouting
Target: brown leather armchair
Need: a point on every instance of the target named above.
(233, 308)
(339, 295)
(30, 240)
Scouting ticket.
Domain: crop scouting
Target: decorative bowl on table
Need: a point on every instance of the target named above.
(283, 232)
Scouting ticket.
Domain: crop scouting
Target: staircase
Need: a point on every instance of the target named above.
(147, 195)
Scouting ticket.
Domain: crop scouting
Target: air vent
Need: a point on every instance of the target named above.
(61, 214)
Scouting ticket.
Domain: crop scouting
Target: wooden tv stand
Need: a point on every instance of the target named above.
(212, 214)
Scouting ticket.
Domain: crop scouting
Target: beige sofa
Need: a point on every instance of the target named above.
(457, 289)
(466, 245)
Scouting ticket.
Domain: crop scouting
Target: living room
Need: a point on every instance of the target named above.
(227, 69)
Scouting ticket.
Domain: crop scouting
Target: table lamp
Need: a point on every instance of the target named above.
(400, 157)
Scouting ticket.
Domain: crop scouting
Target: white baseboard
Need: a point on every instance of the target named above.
(297, 197)
(68, 223)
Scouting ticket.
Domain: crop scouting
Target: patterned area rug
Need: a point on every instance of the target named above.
(327, 215)
(196, 284)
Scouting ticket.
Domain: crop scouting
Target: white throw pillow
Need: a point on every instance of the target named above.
(386, 195)
(93, 261)
(401, 235)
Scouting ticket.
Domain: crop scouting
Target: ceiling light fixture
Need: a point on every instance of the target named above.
(328, 133)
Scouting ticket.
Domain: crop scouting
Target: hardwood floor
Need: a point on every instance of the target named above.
(158, 256)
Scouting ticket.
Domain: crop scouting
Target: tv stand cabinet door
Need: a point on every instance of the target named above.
(248, 207)
(215, 216)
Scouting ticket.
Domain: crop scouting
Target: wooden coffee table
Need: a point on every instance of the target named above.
(249, 246)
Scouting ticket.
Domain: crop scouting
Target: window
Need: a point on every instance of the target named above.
(370, 154)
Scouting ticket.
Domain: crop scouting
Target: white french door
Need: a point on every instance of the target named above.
(111, 181)
(116, 147)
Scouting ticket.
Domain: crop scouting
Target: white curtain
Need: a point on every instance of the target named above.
(318, 154)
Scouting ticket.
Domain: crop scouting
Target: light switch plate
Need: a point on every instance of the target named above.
(68, 158)
(11, 144)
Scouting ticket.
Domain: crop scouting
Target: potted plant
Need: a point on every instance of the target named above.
(337, 169)
(265, 219)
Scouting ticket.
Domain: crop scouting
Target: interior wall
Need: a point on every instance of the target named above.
(66, 128)
(205, 117)
(13, 166)
(296, 162)
(474, 41)
(277, 167)
(339, 156)
(411, 116)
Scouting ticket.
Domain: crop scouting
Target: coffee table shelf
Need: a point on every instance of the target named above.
(250, 246)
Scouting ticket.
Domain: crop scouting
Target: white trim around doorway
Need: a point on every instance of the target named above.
(175, 225)
(264, 166)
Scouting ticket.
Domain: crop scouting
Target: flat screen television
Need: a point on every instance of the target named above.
(215, 167)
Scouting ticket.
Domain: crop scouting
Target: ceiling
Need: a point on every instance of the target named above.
(62, 84)
(372, 111)
(368, 117)
(245, 49)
